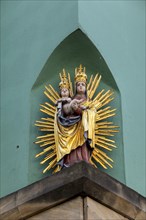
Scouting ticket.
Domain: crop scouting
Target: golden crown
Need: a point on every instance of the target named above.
(64, 80)
(80, 75)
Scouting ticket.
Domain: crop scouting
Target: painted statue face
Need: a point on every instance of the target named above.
(64, 92)
(81, 87)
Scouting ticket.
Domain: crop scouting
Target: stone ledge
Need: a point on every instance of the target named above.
(80, 179)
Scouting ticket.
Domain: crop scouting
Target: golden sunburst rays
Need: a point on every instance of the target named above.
(92, 85)
(104, 130)
(47, 141)
(51, 94)
(70, 86)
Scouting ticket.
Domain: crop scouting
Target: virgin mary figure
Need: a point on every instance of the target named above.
(78, 129)
(74, 129)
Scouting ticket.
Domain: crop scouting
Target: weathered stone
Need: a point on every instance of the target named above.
(97, 211)
(69, 210)
(80, 179)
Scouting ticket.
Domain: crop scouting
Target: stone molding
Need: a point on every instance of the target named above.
(81, 179)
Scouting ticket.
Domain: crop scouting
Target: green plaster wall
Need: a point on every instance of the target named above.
(30, 31)
(120, 35)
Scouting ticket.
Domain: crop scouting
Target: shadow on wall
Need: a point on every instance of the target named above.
(76, 49)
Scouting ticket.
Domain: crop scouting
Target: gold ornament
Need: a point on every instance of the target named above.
(64, 81)
(80, 74)
(58, 141)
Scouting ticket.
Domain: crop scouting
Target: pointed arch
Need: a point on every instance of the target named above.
(72, 51)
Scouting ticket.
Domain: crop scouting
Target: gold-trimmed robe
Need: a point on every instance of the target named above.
(73, 136)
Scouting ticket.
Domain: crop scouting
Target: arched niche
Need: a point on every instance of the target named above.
(75, 49)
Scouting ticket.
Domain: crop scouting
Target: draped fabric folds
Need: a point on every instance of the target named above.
(75, 140)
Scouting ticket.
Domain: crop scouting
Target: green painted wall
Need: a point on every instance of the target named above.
(30, 31)
(119, 34)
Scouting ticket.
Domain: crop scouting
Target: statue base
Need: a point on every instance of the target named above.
(79, 192)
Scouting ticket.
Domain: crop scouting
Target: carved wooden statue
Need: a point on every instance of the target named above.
(75, 126)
